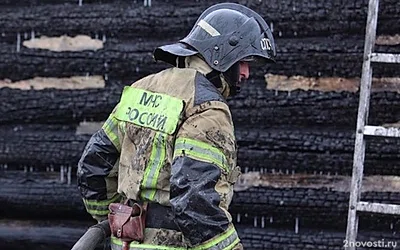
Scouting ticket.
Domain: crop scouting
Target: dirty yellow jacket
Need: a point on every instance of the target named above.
(169, 141)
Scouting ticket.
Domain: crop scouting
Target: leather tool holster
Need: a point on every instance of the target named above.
(127, 222)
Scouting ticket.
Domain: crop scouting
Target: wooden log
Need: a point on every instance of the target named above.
(276, 149)
(44, 196)
(305, 238)
(313, 150)
(30, 234)
(18, 235)
(289, 18)
(57, 106)
(40, 195)
(255, 107)
(310, 207)
(130, 60)
(41, 146)
(120, 60)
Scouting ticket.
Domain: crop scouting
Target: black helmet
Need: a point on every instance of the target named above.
(223, 35)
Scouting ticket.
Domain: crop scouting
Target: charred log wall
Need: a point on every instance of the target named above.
(130, 60)
(288, 149)
(48, 196)
(35, 235)
(255, 107)
(278, 132)
(313, 38)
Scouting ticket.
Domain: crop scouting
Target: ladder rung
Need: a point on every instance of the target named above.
(378, 208)
(382, 131)
(385, 58)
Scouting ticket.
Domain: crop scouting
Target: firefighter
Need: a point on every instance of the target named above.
(169, 144)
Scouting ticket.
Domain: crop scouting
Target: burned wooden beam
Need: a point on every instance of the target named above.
(40, 195)
(259, 108)
(31, 234)
(130, 60)
(288, 18)
(281, 149)
(57, 106)
(44, 195)
(306, 238)
(119, 60)
(255, 107)
(322, 208)
(41, 146)
(326, 56)
(18, 235)
(267, 204)
(313, 150)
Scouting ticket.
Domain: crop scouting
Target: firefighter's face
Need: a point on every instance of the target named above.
(244, 71)
(237, 75)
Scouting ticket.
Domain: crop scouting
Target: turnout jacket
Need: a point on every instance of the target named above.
(169, 141)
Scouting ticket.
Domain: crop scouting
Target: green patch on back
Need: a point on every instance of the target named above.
(144, 108)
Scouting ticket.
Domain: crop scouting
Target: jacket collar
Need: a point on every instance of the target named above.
(195, 62)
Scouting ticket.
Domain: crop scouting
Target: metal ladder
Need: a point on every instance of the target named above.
(355, 205)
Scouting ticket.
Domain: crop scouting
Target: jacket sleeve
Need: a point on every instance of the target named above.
(201, 183)
(97, 170)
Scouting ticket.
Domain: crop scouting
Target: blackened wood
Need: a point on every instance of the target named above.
(286, 238)
(290, 18)
(130, 60)
(275, 149)
(313, 150)
(255, 107)
(57, 106)
(41, 146)
(118, 60)
(40, 195)
(319, 208)
(328, 56)
(43, 196)
(57, 235)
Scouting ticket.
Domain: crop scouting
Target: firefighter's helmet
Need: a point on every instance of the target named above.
(223, 35)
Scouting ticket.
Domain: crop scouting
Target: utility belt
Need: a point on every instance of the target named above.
(128, 221)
